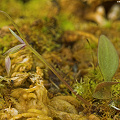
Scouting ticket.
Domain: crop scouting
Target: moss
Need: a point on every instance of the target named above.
(87, 85)
(116, 90)
(45, 37)
(7, 42)
(40, 8)
(14, 11)
(65, 22)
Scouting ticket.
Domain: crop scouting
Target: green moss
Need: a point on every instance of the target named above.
(37, 8)
(116, 90)
(6, 43)
(65, 23)
(87, 85)
(13, 7)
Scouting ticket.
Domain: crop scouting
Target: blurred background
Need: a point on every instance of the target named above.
(61, 27)
(95, 11)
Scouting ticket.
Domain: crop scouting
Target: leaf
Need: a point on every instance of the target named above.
(104, 84)
(103, 90)
(7, 64)
(18, 38)
(108, 62)
(107, 58)
(15, 49)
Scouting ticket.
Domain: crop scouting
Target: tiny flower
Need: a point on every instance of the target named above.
(15, 49)
(17, 36)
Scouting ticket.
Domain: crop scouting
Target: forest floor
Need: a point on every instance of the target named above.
(66, 35)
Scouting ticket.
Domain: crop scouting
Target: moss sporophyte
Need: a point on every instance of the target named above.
(107, 58)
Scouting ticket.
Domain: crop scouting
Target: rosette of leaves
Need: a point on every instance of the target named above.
(108, 61)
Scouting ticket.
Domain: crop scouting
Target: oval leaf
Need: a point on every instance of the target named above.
(107, 58)
(103, 90)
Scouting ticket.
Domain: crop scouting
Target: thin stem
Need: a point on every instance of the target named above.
(56, 73)
(16, 27)
(44, 61)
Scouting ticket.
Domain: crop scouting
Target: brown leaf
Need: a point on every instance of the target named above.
(103, 90)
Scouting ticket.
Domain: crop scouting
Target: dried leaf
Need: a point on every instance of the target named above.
(8, 64)
(103, 90)
(15, 49)
(18, 38)
(107, 58)
(104, 84)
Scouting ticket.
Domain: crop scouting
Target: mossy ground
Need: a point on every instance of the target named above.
(58, 31)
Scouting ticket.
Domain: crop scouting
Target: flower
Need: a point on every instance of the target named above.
(11, 51)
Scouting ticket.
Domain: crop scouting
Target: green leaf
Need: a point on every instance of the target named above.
(108, 62)
(107, 58)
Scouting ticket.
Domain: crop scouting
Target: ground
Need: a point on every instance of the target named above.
(66, 35)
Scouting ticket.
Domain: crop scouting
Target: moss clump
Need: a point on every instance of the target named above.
(87, 85)
(65, 22)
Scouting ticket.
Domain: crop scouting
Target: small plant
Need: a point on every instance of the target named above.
(108, 61)
(107, 58)
(24, 43)
(11, 51)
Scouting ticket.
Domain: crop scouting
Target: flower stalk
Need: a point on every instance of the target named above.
(22, 39)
